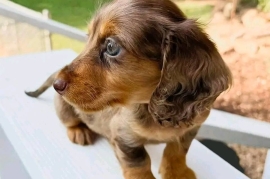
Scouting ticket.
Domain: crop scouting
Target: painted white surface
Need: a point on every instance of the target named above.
(266, 172)
(40, 139)
(11, 166)
(233, 128)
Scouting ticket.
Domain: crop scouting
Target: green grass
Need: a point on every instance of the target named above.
(77, 13)
(197, 11)
(72, 12)
(62, 42)
(264, 5)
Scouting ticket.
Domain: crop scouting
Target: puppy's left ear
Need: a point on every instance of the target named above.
(193, 75)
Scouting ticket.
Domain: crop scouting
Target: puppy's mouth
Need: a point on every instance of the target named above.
(77, 95)
(86, 106)
(86, 101)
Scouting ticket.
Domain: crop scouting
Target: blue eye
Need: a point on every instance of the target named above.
(112, 48)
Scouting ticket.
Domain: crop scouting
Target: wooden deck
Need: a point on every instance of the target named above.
(40, 142)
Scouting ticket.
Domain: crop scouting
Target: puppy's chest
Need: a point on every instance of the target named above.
(128, 123)
(99, 122)
(138, 123)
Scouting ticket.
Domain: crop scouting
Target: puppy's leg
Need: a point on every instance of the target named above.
(173, 164)
(77, 131)
(135, 161)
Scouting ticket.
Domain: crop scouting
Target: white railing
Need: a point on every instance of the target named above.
(233, 128)
(41, 22)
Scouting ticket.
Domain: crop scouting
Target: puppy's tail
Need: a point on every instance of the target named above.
(48, 83)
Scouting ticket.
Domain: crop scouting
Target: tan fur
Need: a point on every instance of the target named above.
(81, 134)
(159, 89)
(173, 164)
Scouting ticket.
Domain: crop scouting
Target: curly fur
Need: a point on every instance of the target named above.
(193, 75)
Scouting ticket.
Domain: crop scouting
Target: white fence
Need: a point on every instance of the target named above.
(14, 34)
(43, 23)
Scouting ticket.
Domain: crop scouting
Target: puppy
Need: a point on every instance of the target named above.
(147, 75)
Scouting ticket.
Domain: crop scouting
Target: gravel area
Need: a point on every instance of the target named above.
(245, 45)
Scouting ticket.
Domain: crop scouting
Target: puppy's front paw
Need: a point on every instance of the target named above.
(132, 174)
(81, 135)
(175, 170)
(176, 174)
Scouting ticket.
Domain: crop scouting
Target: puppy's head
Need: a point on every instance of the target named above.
(145, 51)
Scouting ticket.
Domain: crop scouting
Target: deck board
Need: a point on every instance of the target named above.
(40, 140)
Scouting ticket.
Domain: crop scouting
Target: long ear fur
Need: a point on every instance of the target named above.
(193, 75)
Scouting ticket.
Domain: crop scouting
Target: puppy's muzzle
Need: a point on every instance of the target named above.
(60, 86)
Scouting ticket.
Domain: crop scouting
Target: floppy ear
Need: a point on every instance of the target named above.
(193, 75)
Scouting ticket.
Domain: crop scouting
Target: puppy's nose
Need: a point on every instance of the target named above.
(60, 85)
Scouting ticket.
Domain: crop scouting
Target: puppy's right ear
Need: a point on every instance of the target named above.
(193, 75)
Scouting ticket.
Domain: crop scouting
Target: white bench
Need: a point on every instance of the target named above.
(37, 143)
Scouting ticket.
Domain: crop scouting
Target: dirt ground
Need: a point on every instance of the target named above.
(244, 43)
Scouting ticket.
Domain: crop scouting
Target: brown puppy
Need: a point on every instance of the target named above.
(147, 75)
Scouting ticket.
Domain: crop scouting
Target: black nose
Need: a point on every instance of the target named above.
(60, 85)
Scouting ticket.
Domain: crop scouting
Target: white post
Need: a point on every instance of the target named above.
(47, 34)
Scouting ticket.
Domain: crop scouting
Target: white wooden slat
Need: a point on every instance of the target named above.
(266, 172)
(236, 129)
(40, 140)
(11, 166)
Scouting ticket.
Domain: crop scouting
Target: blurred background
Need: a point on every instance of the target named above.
(240, 28)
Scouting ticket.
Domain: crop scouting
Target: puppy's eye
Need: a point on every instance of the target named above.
(112, 48)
